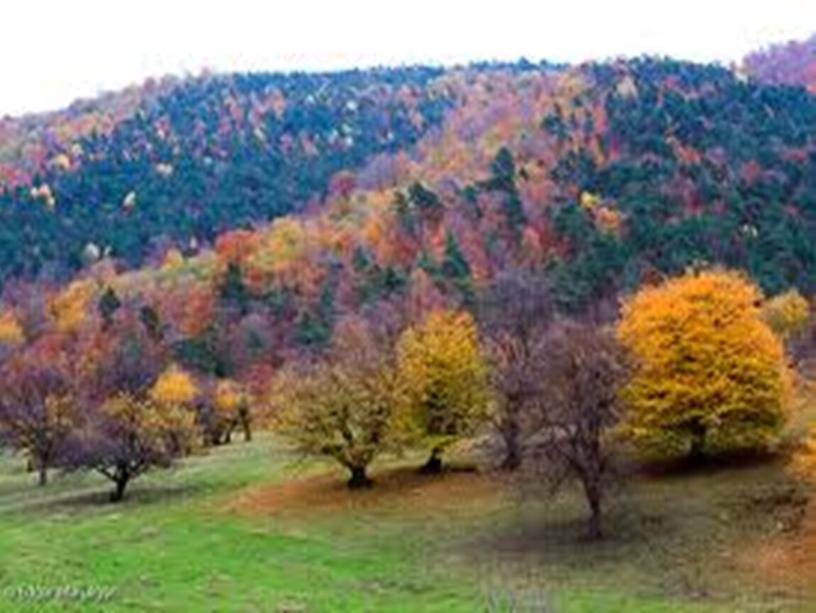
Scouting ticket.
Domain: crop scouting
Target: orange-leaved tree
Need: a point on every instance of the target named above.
(174, 386)
(174, 393)
(709, 375)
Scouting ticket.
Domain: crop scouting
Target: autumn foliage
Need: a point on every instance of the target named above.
(444, 372)
(364, 219)
(38, 406)
(710, 376)
(174, 387)
(346, 406)
(11, 333)
(787, 314)
(129, 436)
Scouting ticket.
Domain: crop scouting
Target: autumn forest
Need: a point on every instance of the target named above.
(553, 322)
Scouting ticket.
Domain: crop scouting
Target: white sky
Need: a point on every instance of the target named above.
(53, 51)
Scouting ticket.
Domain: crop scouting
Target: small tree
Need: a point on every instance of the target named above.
(345, 406)
(577, 411)
(37, 407)
(256, 382)
(232, 396)
(786, 314)
(129, 436)
(515, 312)
(503, 180)
(175, 393)
(444, 375)
(223, 410)
(136, 410)
(709, 375)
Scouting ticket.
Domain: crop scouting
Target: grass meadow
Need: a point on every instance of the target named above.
(254, 527)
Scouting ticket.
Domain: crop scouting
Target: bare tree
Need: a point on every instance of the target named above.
(579, 407)
(37, 408)
(514, 313)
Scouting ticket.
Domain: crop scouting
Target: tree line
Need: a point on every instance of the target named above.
(691, 367)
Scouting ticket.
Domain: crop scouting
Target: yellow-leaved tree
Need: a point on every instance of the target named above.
(69, 308)
(444, 375)
(345, 406)
(11, 332)
(174, 393)
(787, 314)
(174, 387)
(709, 375)
(230, 408)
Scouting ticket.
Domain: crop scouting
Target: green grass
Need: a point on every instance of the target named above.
(175, 545)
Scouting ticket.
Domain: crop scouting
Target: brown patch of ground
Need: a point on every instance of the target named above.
(790, 558)
(401, 489)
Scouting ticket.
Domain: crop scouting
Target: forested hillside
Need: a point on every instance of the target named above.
(177, 161)
(586, 282)
(603, 175)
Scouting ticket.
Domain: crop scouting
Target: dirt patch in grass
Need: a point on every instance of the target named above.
(401, 489)
(789, 558)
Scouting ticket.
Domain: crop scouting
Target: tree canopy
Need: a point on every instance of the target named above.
(709, 375)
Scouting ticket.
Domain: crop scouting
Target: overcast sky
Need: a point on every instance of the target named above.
(53, 51)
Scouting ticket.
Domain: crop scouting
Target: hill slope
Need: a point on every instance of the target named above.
(603, 175)
(179, 161)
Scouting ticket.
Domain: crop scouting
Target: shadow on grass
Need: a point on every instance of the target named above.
(649, 552)
(684, 466)
(681, 535)
(99, 497)
(544, 530)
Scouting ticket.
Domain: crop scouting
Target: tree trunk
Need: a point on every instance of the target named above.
(119, 491)
(120, 483)
(359, 479)
(512, 457)
(247, 425)
(594, 525)
(697, 450)
(510, 431)
(595, 520)
(43, 474)
(512, 460)
(434, 464)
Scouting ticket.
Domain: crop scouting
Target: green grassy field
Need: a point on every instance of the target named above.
(676, 543)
